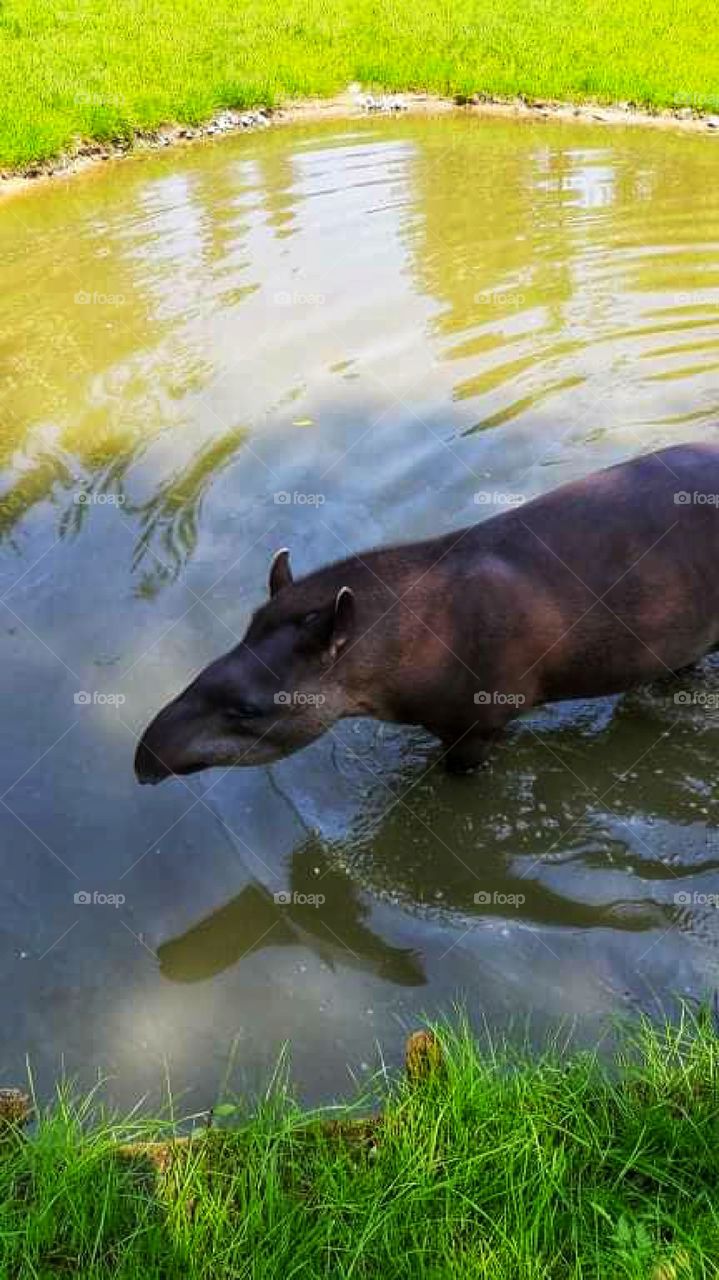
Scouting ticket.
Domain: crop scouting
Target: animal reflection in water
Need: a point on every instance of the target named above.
(338, 930)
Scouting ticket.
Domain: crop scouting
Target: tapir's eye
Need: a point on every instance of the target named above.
(243, 711)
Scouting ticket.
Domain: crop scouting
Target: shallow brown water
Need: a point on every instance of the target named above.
(328, 338)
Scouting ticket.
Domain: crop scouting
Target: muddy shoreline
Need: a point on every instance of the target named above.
(350, 106)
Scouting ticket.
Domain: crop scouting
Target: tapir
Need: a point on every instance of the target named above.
(601, 584)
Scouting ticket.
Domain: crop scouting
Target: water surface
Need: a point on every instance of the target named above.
(326, 338)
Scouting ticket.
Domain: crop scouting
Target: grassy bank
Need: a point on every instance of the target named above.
(496, 1165)
(83, 68)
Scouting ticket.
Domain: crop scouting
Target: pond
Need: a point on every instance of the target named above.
(328, 337)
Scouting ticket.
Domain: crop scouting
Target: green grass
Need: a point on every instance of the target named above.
(90, 69)
(501, 1166)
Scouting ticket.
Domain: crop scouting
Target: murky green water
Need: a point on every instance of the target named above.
(328, 338)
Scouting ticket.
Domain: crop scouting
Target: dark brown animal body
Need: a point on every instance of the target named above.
(592, 588)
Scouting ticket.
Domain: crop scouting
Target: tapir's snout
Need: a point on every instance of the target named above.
(163, 748)
(148, 767)
(193, 733)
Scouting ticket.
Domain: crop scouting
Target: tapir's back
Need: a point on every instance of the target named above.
(628, 559)
(598, 527)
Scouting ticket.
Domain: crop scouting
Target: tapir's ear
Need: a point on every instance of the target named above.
(344, 620)
(280, 572)
(327, 630)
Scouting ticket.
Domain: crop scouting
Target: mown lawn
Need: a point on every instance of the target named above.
(89, 69)
(498, 1165)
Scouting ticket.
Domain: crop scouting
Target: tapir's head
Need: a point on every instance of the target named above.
(276, 691)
